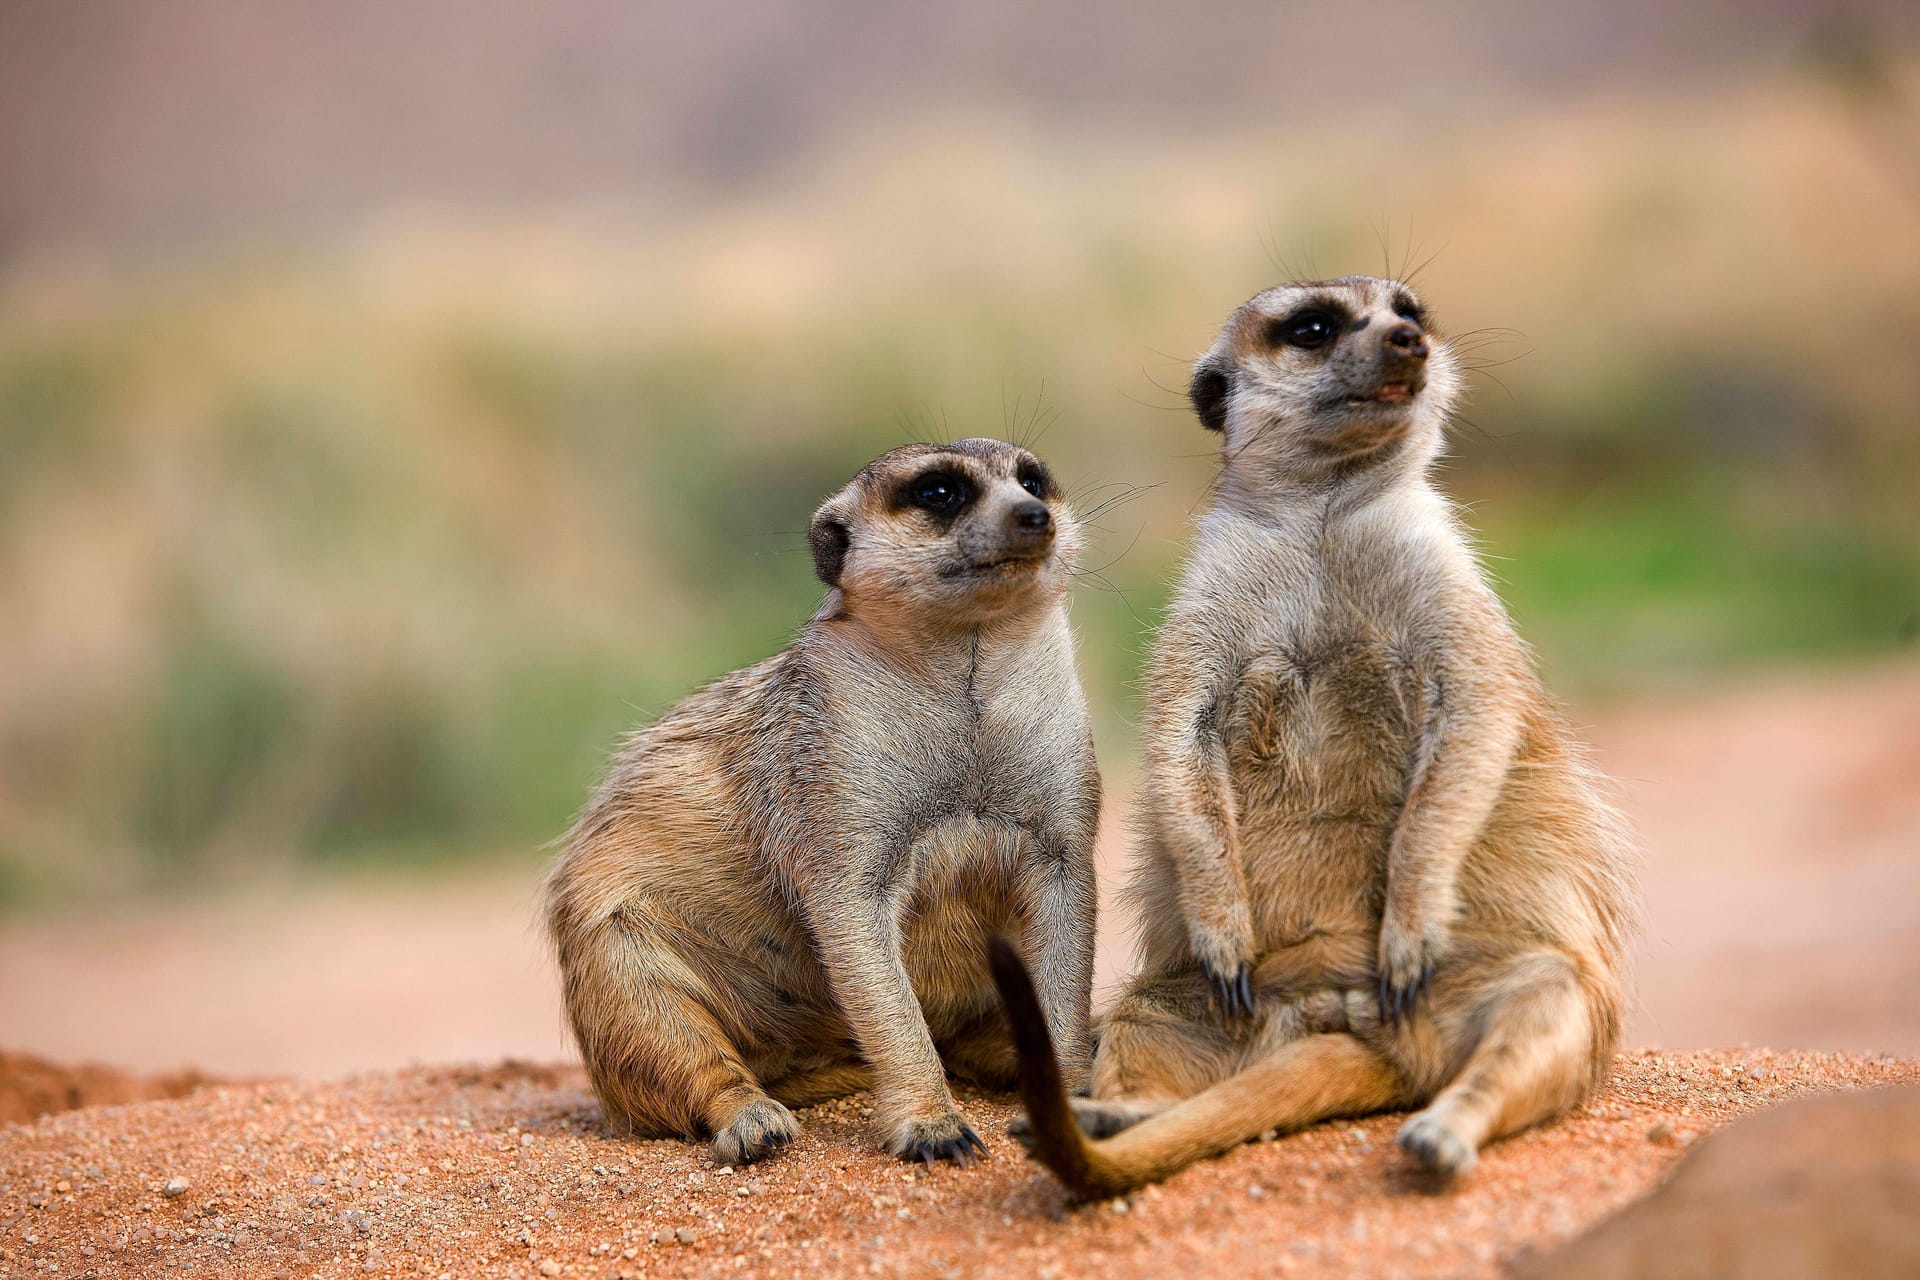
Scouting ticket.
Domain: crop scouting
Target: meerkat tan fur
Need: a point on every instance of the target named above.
(1374, 869)
(782, 891)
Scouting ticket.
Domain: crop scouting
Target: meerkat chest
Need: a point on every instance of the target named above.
(1028, 736)
(1325, 707)
(949, 768)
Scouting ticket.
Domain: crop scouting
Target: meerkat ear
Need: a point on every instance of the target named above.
(829, 538)
(1212, 384)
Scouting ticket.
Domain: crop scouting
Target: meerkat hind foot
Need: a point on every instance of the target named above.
(1104, 1119)
(1431, 1141)
(1097, 1119)
(756, 1131)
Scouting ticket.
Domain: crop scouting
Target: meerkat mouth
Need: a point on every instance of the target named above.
(980, 567)
(1395, 392)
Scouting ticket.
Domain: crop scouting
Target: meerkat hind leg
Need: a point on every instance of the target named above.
(658, 1057)
(1302, 1082)
(1531, 1063)
(1168, 1047)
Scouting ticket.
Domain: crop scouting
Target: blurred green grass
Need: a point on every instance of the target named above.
(369, 553)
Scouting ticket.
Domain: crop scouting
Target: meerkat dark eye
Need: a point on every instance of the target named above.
(1407, 309)
(1036, 481)
(1309, 330)
(940, 492)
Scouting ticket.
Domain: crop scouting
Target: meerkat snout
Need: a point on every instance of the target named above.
(1032, 520)
(1029, 530)
(1403, 360)
(1406, 341)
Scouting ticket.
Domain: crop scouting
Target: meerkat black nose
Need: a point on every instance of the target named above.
(1406, 341)
(1032, 518)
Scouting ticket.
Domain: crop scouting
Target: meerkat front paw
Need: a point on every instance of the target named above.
(1406, 970)
(1226, 959)
(947, 1137)
(756, 1131)
(1231, 991)
(1432, 1142)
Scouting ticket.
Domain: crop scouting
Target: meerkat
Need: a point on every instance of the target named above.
(1374, 870)
(781, 892)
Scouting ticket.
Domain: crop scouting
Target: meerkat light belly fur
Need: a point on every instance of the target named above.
(782, 892)
(1373, 868)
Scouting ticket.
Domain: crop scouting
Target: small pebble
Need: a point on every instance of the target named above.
(1661, 1135)
(686, 1235)
(174, 1186)
(549, 1268)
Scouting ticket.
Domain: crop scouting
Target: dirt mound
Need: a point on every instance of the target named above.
(1820, 1187)
(509, 1171)
(31, 1086)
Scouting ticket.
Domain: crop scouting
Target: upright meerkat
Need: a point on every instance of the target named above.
(1374, 869)
(781, 892)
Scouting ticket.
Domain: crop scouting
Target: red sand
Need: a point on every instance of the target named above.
(506, 1171)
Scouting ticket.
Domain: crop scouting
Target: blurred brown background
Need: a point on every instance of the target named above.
(399, 401)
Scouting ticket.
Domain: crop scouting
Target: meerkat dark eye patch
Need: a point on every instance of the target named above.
(939, 493)
(1310, 328)
(1036, 480)
(1407, 309)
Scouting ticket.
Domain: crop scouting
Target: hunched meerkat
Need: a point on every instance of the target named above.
(1374, 869)
(781, 892)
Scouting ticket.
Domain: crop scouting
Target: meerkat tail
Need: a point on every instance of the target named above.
(1317, 1077)
(1058, 1142)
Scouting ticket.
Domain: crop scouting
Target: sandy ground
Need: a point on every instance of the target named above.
(1781, 822)
(31, 1087)
(507, 1172)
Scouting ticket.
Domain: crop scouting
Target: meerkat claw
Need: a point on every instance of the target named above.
(958, 1143)
(1398, 998)
(1232, 993)
(964, 1150)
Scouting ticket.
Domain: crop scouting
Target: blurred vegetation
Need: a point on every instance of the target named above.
(372, 551)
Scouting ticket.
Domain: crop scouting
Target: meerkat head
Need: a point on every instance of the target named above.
(1318, 377)
(959, 533)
